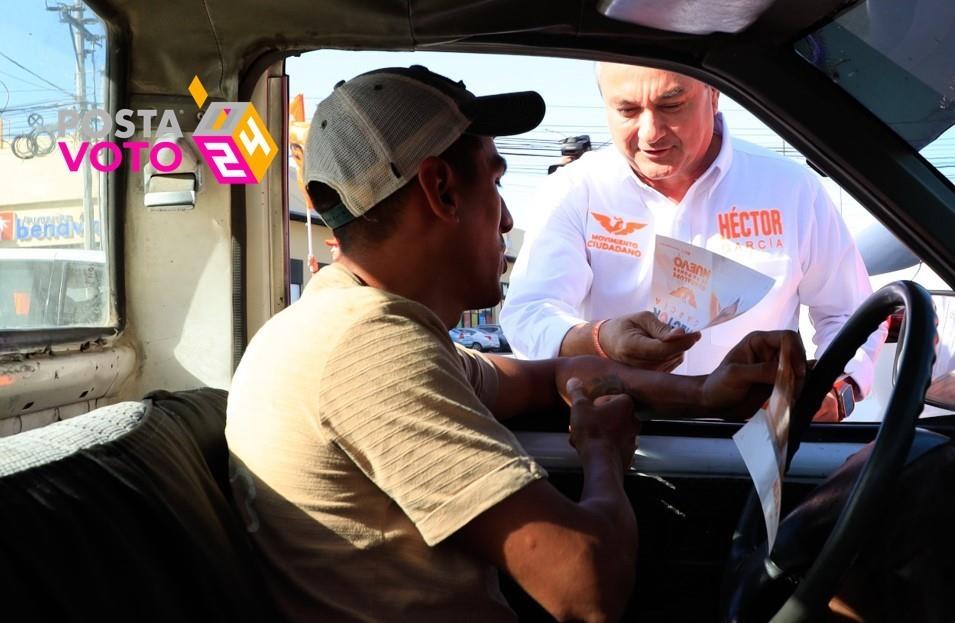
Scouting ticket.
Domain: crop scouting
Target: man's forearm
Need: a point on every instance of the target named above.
(667, 395)
(603, 490)
(605, 499)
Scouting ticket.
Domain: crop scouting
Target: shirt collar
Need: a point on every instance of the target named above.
(332, 276)
(724, 158)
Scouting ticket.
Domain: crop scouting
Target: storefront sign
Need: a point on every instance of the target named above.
(48, 227)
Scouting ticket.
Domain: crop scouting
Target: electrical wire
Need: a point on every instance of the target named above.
(25, 81)
(35, 75)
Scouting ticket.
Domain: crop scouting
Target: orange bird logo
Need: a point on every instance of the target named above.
(686, 295)
(616, 225)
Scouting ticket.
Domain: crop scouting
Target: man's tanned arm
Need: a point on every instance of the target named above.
(734, 390)
(577, 560)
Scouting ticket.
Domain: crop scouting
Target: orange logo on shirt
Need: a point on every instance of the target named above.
(615, 242)
(616, 225)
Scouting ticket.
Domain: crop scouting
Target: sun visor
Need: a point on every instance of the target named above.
(700, 17)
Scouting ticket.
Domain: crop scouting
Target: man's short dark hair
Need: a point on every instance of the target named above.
(376, 225)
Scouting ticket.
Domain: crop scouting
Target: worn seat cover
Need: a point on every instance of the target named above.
(122, 514)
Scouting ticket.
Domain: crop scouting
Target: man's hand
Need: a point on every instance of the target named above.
(606, 424)
(745, 377)
(638, 340)
(644, 341)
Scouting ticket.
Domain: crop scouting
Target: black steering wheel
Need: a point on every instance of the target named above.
(755, 583)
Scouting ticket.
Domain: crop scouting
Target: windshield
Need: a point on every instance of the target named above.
(896, 58)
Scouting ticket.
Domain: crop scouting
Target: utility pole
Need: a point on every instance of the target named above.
(83, 42)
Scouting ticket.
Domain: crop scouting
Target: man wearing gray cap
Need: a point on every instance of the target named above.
(369, 460)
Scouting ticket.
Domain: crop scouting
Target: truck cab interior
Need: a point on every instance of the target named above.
(118, 341)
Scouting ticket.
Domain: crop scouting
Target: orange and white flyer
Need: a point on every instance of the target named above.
(694, 289)
(763, 441)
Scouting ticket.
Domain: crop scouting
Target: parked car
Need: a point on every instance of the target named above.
(49, 288)
(475, 338)
(495, 329)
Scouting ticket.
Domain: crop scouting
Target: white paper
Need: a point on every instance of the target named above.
(763, 444)
(756, 444)
(694, 289)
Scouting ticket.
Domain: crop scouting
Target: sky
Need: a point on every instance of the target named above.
(38, 64)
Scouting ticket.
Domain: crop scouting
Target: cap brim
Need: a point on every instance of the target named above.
(505, 114)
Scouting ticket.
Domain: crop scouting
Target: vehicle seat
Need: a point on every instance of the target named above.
(124, 514)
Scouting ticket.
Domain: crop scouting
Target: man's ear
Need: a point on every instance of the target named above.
(437, 183)
(714, 99)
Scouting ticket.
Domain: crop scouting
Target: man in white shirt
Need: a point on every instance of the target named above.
(582, 280)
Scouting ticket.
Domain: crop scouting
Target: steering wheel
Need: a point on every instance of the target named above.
(752, 579)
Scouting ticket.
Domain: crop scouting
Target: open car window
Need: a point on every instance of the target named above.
(575, 110)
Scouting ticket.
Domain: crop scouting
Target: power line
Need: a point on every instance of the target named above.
(45, 105)
(34, 74)
(21, 79)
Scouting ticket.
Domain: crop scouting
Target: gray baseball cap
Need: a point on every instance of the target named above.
(369, 136)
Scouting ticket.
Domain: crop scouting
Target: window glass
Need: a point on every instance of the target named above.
(53, 268)
(896, 59)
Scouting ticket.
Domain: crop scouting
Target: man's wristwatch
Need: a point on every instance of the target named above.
(844, 390)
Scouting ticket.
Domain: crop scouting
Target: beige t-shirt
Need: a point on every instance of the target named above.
(361, 440)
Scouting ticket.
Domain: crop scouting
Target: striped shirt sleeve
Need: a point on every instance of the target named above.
(396, 398)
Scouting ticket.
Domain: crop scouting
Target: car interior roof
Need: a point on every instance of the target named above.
(218, 39)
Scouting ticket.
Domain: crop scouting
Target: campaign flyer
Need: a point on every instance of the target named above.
(694, 289)
(763, 441)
